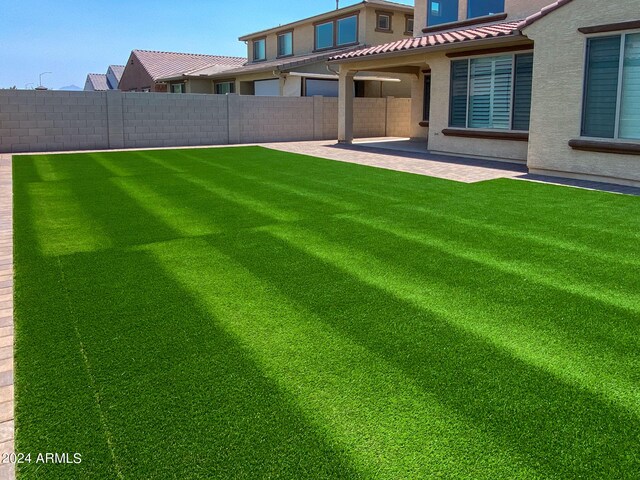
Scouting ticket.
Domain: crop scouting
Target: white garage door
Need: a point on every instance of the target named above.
(267, 88)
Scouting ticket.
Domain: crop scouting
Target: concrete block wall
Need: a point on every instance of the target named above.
(369, 117)
(330, 118)
(33, 121)
(30, 121)
(398, 117)
(168, 120)
(276, 119)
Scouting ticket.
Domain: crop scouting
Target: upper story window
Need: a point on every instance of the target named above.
(324, 35)
(260, 49)
(336, 33)
(285, 44)
(347, 30)
(383, 21)
(491, 92)
(408, 25)
(442, 11)
(611, 107)
(481, 8)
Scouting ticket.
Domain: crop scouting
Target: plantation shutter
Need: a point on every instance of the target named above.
(458, 103)
(630, 101)
(490, 92)
(601, 95)
(522, 91)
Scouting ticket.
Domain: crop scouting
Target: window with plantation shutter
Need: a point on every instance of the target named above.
(522, 92)
(630, 101)
(603, 65)
(459, 92)
(491, 92)
(611, 107)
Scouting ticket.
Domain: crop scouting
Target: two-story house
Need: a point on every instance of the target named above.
(555, 84)
(291, 59)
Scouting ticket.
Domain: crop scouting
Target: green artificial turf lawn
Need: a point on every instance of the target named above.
(246, 313)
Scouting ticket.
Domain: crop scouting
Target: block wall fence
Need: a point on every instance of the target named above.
(35, 121)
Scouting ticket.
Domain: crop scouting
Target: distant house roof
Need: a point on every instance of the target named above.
(171, 64)
(332, 13)
(481, 32)
(280, 64)
(114, 74)
(97, 82)
(117, 70)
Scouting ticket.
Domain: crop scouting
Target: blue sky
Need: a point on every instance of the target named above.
(73, 38)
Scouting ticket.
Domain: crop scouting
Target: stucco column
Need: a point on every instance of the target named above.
(345, 106)
(417, 108)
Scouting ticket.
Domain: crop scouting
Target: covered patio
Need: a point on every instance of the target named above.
(435, 95)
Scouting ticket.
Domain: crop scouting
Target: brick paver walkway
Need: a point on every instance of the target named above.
(7, 471)
(460, 169)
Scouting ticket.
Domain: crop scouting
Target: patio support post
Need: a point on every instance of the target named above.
(345, 106)
(418, 132)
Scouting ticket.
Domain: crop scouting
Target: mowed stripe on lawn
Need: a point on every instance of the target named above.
(249, 313)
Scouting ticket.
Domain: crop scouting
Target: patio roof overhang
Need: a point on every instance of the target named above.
(416, 56)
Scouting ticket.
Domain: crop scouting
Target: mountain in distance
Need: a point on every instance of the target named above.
(71, 88)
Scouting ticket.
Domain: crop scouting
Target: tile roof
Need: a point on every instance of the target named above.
(481, 32)
(98, 81)
(543, 13)
(282, 64)
(439, 38)
(168, 64)
(117, 70)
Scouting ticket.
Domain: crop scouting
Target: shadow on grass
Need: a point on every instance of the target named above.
(563, 429)
(180, 397)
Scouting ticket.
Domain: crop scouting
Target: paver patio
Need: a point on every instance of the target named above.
(7, 471)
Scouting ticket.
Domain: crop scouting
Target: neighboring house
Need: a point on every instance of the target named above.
(146, 70)
(114, 74)
(291, 60)
(99, 82)
(96, 82)
(552, 84)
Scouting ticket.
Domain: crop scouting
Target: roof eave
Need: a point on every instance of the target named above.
(434, 48)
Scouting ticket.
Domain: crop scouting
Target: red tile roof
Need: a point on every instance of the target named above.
(166, 64)
(440, 38)
(454, 36)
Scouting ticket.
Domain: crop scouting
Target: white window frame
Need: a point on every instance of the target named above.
(279, 54)
(380, 16)
(254, 44)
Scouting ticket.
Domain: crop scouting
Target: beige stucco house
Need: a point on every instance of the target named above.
(291, 60)
(555, 85)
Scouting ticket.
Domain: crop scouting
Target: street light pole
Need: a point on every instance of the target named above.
(43, 73)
